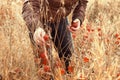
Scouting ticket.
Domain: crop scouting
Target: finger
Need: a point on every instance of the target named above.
(40, 42)
(42, 34)
(38, 38)
(72, 31)
(74, 28)
(41, 38)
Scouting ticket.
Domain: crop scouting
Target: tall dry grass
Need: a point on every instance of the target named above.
(97, 45)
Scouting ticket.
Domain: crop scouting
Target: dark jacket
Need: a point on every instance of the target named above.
(31, 10)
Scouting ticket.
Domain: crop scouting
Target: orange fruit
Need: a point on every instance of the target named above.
(85, 59)
(46, 68)
(70, 69)
(42, 55)
(44, 61)
(62, 71)
(99, 29)
(46, 37)
(116, 35)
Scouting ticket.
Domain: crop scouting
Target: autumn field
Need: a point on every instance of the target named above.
(96, 44)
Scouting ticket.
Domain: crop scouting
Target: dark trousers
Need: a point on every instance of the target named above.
(62, 40)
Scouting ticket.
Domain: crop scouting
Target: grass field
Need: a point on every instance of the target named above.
(97, 44)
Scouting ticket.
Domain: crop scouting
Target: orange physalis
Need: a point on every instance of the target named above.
(116, 35)
(85, 36)
(118, 38)
(100, 34)
(118, 75)
(88, 27)
(85, 59)
(88, 30)
(46, 37)
(62, 71)
(82, 77)
(91, 40)
(42, 55)
(107, 40)
(44, 61)
(70, 69)
(117, 42)
(46, 68)
(17, 70)
(83, 52)
(58, 64)
(92, 30)
(99, 29)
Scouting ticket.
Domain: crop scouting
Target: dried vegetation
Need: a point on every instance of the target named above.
(97, 44)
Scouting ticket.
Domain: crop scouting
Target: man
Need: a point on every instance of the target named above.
(56, 18)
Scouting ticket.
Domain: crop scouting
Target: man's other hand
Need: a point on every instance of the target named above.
(39, 36)
(75, 25)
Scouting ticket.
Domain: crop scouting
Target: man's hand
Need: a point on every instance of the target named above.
(75, 25)
(39, 36)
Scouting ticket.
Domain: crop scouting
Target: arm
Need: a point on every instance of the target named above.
(78, 15)
(31, 14)
(79, 12)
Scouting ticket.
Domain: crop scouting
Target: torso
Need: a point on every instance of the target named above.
(68, 5)
(59, 3)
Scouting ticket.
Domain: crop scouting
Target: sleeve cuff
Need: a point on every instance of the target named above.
(81, 19)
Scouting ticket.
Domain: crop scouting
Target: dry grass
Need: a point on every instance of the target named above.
(97, 45)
